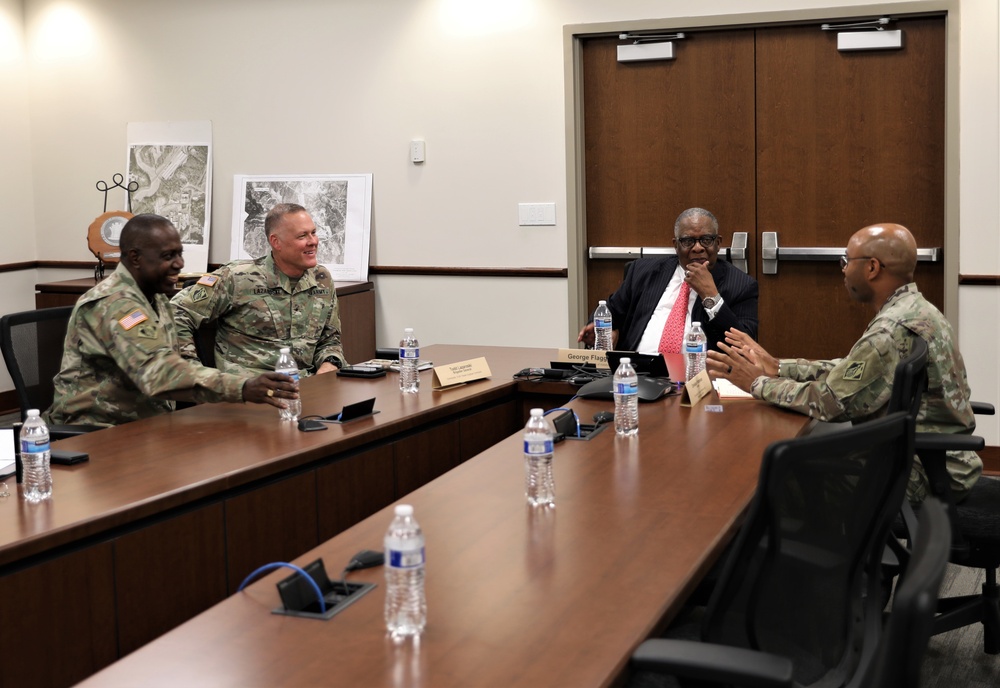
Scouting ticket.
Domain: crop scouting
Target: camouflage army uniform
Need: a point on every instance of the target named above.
(120, 360)
(858, 387)
(258, 309)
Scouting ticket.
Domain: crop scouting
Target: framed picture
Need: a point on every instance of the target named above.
(340, 205)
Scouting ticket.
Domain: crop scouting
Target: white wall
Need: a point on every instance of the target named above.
(314, 86)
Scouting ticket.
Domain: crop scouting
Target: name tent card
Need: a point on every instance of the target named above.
(581, 356)
(696, 388)
(452, 374)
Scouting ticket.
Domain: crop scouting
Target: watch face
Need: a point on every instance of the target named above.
(111, 229)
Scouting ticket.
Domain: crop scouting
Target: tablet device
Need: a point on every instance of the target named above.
(368, 371)
(653, 365)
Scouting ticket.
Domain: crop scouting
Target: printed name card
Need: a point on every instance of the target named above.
(581, 356)
(696, 388)
(452, 374)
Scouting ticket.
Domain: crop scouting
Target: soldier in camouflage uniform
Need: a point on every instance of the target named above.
(259, 306)
(120, 360)
(878, 268)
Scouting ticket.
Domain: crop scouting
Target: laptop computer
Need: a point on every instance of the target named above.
(652, 365)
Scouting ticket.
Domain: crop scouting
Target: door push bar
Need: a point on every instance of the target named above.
(735, 254)
(771, 253)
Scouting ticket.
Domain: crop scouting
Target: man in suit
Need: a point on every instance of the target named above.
(714, 293)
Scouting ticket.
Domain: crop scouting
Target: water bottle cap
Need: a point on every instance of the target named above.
(32, 413)
(404, 510)
(407, 330)
(285, 349)
(537, 412)
(695, 323)
(625, 359)
(602, 303)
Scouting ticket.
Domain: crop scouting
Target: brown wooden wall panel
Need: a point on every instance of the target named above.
(421, 458)
(351, 489)
(78, 590)
(275, 522)
(357, 323)
(480, 431)
(157, 589)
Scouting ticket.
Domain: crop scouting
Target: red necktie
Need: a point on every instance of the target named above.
(673, 331)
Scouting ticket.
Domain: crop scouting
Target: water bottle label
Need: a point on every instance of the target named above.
(34, 446)
(695, 349)
(538, 447)
(627, 387)
(409, 353)
(602, 322)
(406, 560)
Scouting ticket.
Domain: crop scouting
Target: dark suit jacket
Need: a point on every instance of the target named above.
(646, 279)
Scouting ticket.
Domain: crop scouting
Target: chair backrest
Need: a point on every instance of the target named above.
(914, 604)
(802, 579)
(909, 381)
(32, 345)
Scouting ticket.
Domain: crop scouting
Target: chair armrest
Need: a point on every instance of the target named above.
(707, 662)
(942, 441)
(983, 408)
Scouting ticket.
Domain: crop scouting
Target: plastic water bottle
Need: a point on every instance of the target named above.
(539, 436)
(626, 399)
(695, 350)
(286, 365)
(35, 458)
(405, 604)
(409, 361)
(602, 327)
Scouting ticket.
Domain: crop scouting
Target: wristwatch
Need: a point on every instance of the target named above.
(711, 302)
(332, 360)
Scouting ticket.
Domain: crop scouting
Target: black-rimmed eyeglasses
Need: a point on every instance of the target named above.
(844, 260)
(706, 240)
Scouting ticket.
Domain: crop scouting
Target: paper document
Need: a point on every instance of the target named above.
(727, 390)
(7, 440)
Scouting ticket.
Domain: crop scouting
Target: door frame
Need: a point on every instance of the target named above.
(573, 34)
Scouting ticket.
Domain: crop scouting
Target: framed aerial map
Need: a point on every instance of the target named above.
(340, 205)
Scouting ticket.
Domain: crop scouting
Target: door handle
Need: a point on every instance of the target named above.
(735, 254)
(771, 252)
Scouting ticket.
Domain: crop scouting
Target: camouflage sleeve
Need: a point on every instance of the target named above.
(201, 302)
(329, 343)
(142, 350)
(855, 387)
(804, 370)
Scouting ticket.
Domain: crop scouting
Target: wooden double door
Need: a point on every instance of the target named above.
(775, 131)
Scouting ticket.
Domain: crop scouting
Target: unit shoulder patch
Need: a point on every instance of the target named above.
(854, 370)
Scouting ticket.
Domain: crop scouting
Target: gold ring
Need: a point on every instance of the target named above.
(270, 392)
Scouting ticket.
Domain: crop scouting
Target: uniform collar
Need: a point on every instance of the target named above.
(280, 279)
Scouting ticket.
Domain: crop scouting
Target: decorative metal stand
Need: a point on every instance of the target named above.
(103, 236)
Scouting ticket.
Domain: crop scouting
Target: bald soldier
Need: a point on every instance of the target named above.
(281, 299)
(120, 358)
(878, 270)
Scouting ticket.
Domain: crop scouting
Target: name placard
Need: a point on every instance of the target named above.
(696, 388)
(452, 374)
(581, 356)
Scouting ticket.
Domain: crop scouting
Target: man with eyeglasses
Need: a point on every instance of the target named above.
(878, 269)
(705, 290)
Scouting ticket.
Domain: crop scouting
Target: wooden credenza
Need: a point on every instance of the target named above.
(357, 310)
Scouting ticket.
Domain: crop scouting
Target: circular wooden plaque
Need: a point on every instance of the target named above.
(103, 235)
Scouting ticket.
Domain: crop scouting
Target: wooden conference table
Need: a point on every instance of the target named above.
(516, 596)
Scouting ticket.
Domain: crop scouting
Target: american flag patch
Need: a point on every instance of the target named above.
(133, 319)
(208, 280)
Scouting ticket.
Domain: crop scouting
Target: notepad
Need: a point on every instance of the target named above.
(727, 390)
(7, 441)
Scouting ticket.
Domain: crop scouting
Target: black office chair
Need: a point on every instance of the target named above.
(975, 522)
(32, 346)
(797, 601)
(909, 627)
